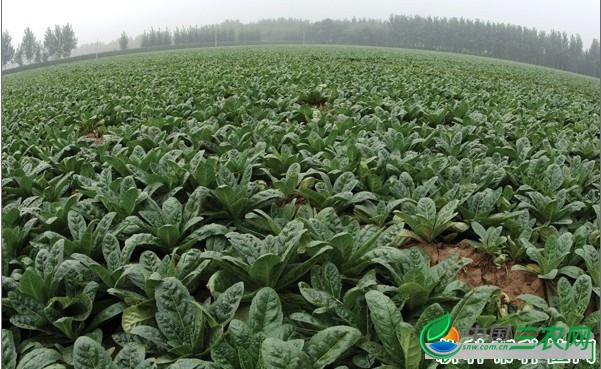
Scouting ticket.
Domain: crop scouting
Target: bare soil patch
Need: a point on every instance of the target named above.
(98, 140)
(482, 272)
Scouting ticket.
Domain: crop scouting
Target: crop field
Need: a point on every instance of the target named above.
(292, 207)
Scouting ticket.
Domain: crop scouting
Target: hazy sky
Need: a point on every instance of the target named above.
(106, 19)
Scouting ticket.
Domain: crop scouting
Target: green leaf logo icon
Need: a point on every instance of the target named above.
(438, 328)
(433, 331)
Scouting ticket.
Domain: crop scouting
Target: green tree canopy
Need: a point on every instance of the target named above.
(68, 40)
(29, 45)
(123, 41)
(52, 43)
(8, 51)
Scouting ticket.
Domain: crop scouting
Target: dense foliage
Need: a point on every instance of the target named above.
(268, 208)
(457, 35)
(57, 44)
(498, 40)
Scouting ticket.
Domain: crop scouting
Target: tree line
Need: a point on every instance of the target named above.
(498, 40)
(57, 44)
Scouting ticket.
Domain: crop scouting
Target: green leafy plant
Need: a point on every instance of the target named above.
(420, 285)
(185, 327)
(319, 351)
(399, 339)
(142, 244)
(85, 238)
(272, 262)
(354, 247)
(550, 211)
(590, 255)
(315, 97)
(272, 221)
(87, 353)
(378, 214)
(331, 306)
(481, 208)
(15, 355)
(135, 283)
(491, 242)
(234, 198)
(53, 296)
(427, 223)
(292, 182)
(338, 195)
(173, 224)
(567, 309)
(15, 232)
(241, 347)
(120, 196)
(550, 258)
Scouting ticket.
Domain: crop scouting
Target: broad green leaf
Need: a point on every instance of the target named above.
(239, 333)
(28, 307)
(446, 213)
(427, 209)
(172, 211)
(246, 360)
(277, 354)
(103, 225)
(130, 356)
(566, 295)
(409, 341)
(415, 295)
(345, 183)
(140, 239)
(385, 316)
(151, 334)
(193, 364)
(429, 314)
(262, 269)
(39, 358)
(259, 199)
(32, 285)
(177, 317)
(224, 308)
(265, 311)
(169, 234)
(592, 321)
(292, 272)
(535, 301)
(77, 225)
(88, 353)
(329, 279)
(343, 242)
(574, 299)
(329, 344)
(9, 352)
(464, 314)
(225, 355)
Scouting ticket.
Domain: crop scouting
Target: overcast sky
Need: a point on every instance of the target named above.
(106, 19)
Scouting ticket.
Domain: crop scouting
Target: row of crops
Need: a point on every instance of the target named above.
(271, 207)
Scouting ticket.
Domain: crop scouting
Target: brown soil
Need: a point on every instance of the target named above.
(98, 140)
(323, 107)
(482, 272)
(320, 106)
